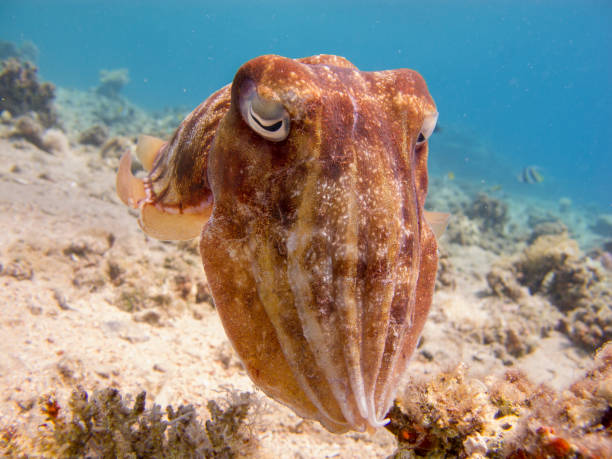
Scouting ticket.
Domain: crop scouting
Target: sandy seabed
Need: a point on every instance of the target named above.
(87, 299)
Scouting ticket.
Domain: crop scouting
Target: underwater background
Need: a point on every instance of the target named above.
(111, 343)
(527, 82)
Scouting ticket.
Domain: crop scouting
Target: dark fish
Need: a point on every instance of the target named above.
(530, 175)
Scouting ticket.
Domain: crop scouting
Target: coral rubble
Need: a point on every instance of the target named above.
(578, 286)
(482, 222)
(452, 415)
(20, 92)
(103, 425)
(492, 213)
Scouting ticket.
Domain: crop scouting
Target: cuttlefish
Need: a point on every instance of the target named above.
(306, 180)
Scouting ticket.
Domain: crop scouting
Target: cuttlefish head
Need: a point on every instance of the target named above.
(318, 252)
(175, 199)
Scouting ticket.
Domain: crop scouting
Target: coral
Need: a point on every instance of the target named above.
(463, 230)
(545, 255)
(112, 81)
(590, 326)
(578, 286)
(446, 196)
(502, 281)
(111, 111)
(55, 141)
(565, 205)
(224, 427)
(547, 228)
(27, 51)
(437, 415)
(603, 225)
(446, 276)
(8, 50)
(606, 260)
(482, 222)
(491, 213)
(20, 92)
(95, 135)
(80, 110)
(574, 284)
(103, 425)
(454, 416)
(29, 129)
(537, 215)
(18, 268)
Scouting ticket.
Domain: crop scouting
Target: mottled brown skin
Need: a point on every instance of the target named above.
(318, 254)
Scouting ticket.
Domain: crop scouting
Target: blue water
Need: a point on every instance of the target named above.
(530, 80)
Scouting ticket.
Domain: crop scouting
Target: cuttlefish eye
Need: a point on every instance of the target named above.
(268, 118)
(429, 124)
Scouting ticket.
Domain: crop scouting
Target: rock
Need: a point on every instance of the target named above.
(55, 141)
(95, 135)
(111, 82)
(30, 129)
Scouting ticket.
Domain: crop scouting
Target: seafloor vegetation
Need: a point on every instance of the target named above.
(544, 271)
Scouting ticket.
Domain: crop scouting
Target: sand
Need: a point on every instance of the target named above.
(87, 299)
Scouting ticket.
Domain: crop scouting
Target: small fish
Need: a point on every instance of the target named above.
(530, 175)
(451, 175)
(495, 188)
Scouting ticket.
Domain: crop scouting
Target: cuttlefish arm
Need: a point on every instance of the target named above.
(131, 190)
(175, 199)
(148, 149)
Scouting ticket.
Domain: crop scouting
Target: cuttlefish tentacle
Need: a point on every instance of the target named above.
(159, 221)
(174, 199)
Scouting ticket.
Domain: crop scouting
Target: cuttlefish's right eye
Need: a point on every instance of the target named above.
(268, 118)
(429, 124)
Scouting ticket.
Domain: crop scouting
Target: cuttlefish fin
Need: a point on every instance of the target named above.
(437, 221)
(147, 149)
(167, 226)
(131, 190)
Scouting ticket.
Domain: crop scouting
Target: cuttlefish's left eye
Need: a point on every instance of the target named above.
(268, 118)
(429, 124)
